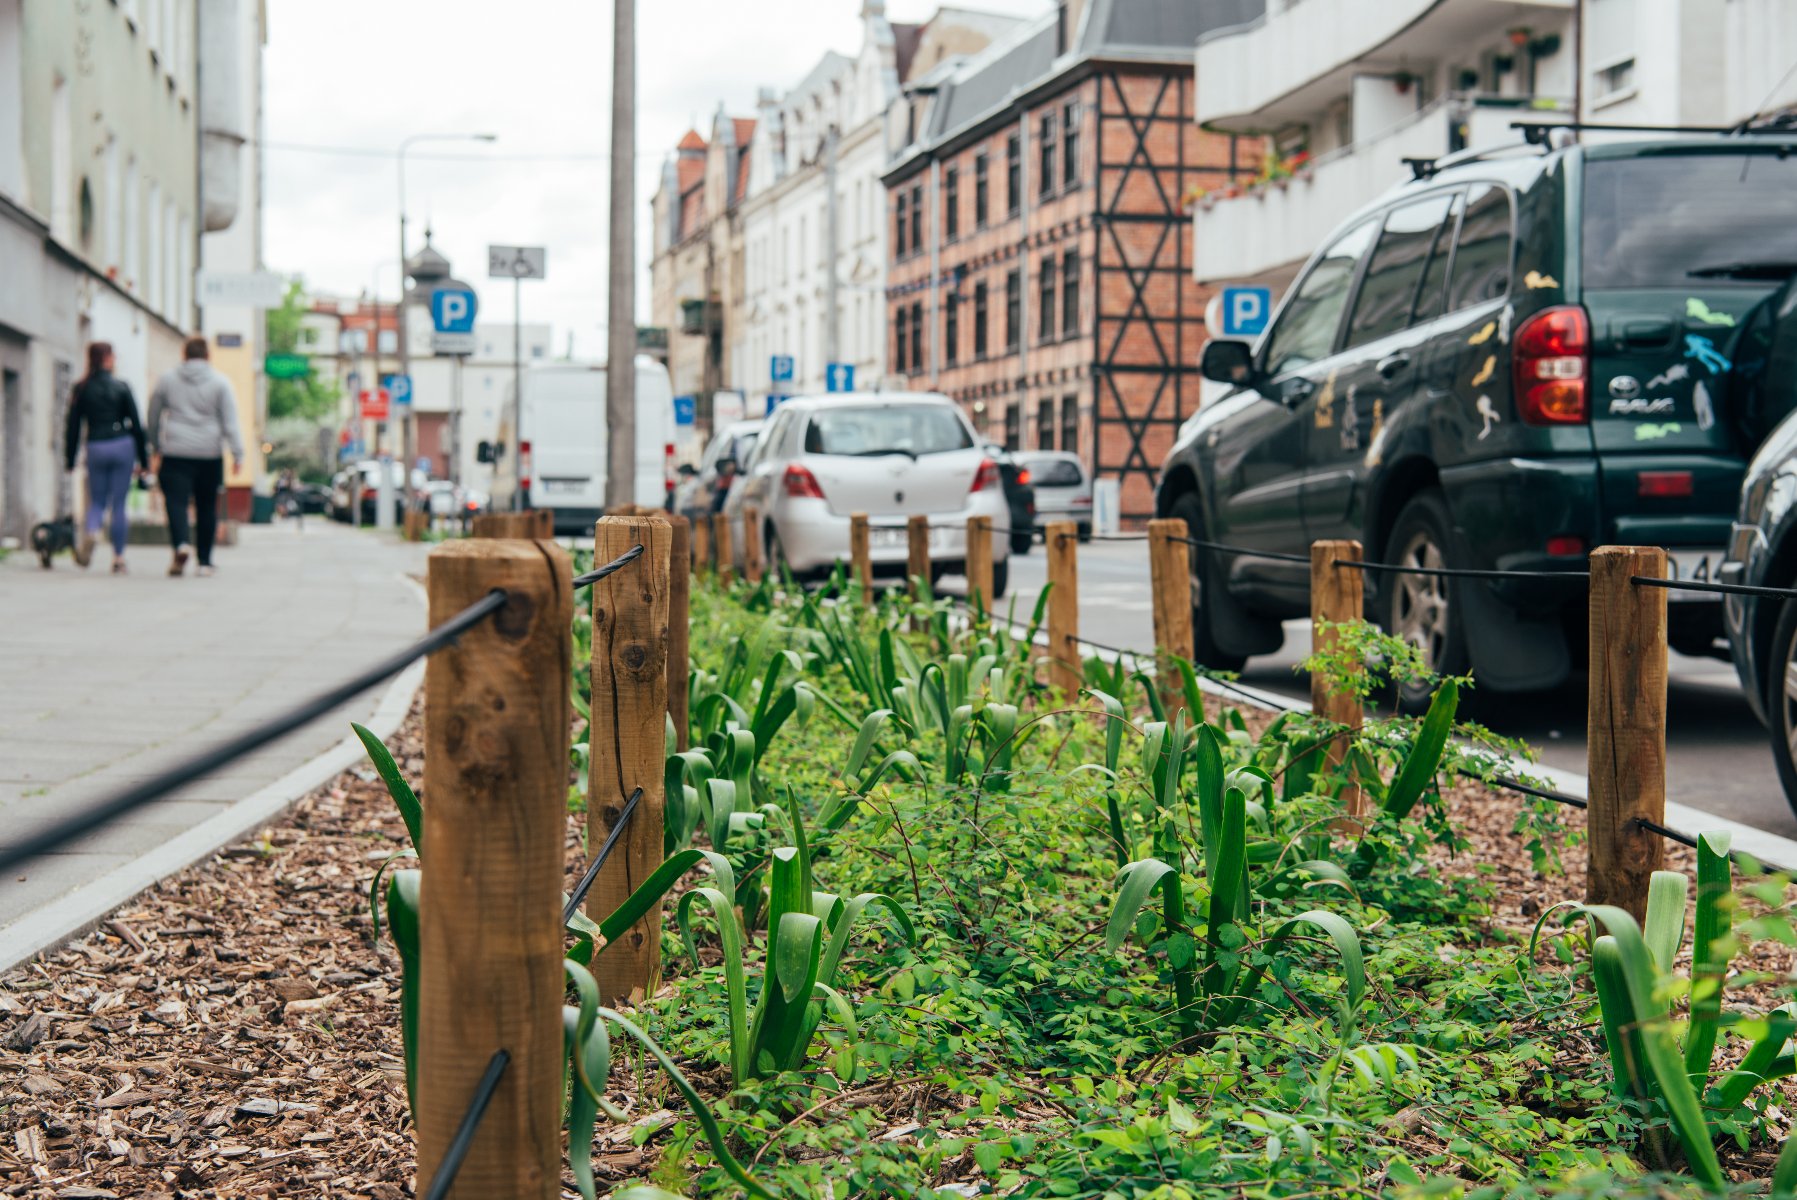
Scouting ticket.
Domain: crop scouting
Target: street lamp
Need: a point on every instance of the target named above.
(409, 435)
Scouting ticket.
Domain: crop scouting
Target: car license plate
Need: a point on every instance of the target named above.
(1694, 566)
(887, 538)
(564, 487)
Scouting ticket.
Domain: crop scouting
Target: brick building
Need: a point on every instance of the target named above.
(1039, 250)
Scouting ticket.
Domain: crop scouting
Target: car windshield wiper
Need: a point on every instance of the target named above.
(1745, 270)
(882, 454)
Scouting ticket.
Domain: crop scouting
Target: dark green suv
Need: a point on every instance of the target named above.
(1505, 362)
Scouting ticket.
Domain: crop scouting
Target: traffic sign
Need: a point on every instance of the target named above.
(774, 402)
(375, 404)
(279, 365)
(246, 289)
(839, 377)
(686, 410)
(780, 369)
(517, 262)
(1245, 311)
(452, 308)
(399, 387)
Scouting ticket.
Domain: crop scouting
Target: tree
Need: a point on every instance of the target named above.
(307, 397)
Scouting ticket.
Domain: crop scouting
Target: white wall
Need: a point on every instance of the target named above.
(12, 101)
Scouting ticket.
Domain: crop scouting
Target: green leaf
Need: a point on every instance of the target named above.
(1135, 883)
(1665, 925)
(1710, 936)
(410, 811)
(1424, 759)
(864, 742)
(403, 889)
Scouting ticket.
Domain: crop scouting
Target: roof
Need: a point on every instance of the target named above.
(688, 173)
(692, 141)
(904, 39)
(744, 128)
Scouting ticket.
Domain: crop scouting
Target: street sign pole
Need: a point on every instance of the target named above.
(620, 373)
(517, 390)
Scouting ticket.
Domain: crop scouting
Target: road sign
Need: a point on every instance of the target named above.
(774, 402)
(839, 377)
(1245, 311)
(286, 366)
(452, 309)
(245, 289)
(375, 402)
(452, 343)
(686, 410)
(399, 387)
(517, 262)
(780, 369)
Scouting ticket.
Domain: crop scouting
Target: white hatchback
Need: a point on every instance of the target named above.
(891, 455)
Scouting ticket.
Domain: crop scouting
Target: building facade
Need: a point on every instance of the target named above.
(1039, 249)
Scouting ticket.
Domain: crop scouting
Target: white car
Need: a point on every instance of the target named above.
(891, 455)
(1063, 488)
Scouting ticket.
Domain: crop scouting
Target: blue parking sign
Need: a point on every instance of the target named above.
(686, 410)
(780, 369)
(1246, 310)
(839, 377)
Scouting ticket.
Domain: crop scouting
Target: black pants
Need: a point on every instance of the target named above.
(196, 481)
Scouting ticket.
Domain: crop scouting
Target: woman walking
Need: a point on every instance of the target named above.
(193, 417)
(103, 406)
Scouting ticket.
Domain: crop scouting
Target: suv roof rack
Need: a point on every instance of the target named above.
(1428, 168)
(1536, 133)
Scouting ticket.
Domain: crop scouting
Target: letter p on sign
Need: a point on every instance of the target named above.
(1245, 311)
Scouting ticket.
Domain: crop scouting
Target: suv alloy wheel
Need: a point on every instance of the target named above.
(1419, 608)
(1205, 650)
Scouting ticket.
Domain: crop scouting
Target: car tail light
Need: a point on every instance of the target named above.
(524, 466)
(1082, 502)
(1023, 477)
(667, 468)
(1566, 545)
(1552, 367)
(799, 482)
(985, 477)
(1665, 483)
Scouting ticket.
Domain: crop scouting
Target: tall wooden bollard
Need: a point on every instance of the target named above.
(1066, 669)
(1337, 596)
(861, 564)
(917, 554)
(496, 724)
(540, 524)
(488, 525)
(679, 597)
(721, 547)
(1170, 574)
(751, 543)
(979, 560)
(627, 742)
(1625, 736)
(702, 544)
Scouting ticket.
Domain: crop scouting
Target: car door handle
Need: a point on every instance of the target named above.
(1393, 364)
(1298, 390)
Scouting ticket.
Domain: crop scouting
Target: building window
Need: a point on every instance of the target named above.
(901, 356)
(1615, 80)
(1013, 309)
(1070, 116)
(951, 330)
(1014, 424)
(1013, 175)
(1045, 135)
(951, 203)
(898, 236)
(982, 193)
(981, 305)
(1070, 294)
(917, 337)
(1045, 299)
(1070, 424)
(1045, 423)
(916, 218)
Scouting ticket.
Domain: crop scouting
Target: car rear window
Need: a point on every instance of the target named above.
(914, 429)
(1054, 472)
(1671, 219)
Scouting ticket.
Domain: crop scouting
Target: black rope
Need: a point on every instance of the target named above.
(451, 1166)
(592, 873)
(1221, 548)
(1727, 589)
(592, 577)
(1527, 789)
(1460, 572)
(1110, 537)
(70, 828)
(1685, 839)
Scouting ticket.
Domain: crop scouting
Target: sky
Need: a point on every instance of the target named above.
(345, 81)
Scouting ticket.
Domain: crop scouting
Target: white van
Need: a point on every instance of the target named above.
(562, 448)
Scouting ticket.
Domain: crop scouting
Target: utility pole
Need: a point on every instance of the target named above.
(620, 372)
(518, 497)
(832, 306)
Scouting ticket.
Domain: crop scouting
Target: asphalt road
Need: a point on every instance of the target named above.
(1718, 758)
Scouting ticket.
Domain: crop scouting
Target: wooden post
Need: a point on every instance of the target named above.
(861, 564)
(702, 543)
(540, 524)
(630, 701)
(979, 560)
(1337, 595)
(917, 554)
(679, 593)
(726, 555)
(751, 543)
(489, 525)
(1170, 573)
(497, 713)
(1625, 736)
(1066, 670)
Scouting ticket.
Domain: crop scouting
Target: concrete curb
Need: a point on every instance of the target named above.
(71, 915)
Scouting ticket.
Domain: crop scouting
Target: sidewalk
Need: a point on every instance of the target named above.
(109, 679)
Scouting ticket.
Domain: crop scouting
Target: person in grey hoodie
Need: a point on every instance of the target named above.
(193, 417)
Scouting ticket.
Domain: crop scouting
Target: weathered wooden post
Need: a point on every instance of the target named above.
(726, 553)
(702, 543)
(1337, 596)
(979, 560)
(627, 741)
(917, 555)
(497, 714)
(862, 565)
(1066, 668)
(751, 543)
(1625, 735)
(1169, 566)
(679, 604)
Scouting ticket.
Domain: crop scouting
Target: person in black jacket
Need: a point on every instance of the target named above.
(102, 404)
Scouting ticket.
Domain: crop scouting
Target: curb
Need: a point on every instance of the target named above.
(70, 915)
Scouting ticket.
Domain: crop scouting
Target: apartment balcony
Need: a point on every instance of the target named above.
(1301, 55)
(1278, 224)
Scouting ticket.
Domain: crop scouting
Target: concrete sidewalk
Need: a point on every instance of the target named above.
(105, 680)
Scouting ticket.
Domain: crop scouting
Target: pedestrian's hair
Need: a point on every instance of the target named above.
(196, 348)
(97, 354)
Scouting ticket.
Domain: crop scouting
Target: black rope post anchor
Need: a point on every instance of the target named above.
(451, 1165)
(592, 872)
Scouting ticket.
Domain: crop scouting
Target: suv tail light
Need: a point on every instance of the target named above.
(1023, 477)
(524, 467)
(799, 482)
(667, 468)
(985, 477)
(1551, 367)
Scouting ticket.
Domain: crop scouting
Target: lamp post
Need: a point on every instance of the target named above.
(409, 422)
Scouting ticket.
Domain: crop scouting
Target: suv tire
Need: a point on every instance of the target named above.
(1205, 650)
(1781, 705)
(1420, 608)
(1001, 579)
(1021, 541)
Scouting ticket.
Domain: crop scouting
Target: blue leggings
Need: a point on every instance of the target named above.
(109, 464)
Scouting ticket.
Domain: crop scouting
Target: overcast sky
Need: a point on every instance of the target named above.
(360, 76)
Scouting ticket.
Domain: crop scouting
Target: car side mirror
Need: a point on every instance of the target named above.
(1226, 360)
(727, 464)
(687, 471)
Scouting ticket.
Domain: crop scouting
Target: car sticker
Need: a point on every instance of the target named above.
(1484, 335)
(1490, 414)
(1351, 422)
(1706, 412)
(1704, 351)
(1535, 281)
(1325, 417)
(1504, 323)
(1672, 374)
(1486, 371)
(1375, 450)
(1697, 310)
(1653, 433)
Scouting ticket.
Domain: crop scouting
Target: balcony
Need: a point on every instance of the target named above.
(1291, 63)
(1279, 224)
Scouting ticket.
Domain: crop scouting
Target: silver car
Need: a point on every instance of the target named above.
(1063, 488)
(891, 455)
(693, 496)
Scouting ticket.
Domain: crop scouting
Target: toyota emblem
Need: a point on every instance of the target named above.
(898, 497)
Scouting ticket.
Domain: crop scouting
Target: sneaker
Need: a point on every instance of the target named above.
(84, 549)
(118, 566)
(204, 571)
(179, 566)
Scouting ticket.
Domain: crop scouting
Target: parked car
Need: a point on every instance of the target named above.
(1503, 363)
(821, 459)
(442, 498)
(1063, 488)
(1020, 497)
(692, 496)
(362, 483)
